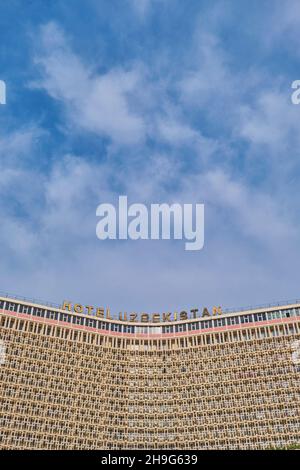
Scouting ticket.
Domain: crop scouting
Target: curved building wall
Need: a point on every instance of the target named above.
(67, 382)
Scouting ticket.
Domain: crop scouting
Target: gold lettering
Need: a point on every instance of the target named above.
(194, 312)
(217, 311)
(167, 316)
(145, 317)
(78, 308)
(89, 309)
(133, 316)
(205, 313)
(67, 306)
(183, 315)
(100, 312)
(155, 317)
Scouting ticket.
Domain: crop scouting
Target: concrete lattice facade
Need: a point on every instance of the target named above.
(72, 382)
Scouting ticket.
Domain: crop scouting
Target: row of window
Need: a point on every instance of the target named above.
(149, 330)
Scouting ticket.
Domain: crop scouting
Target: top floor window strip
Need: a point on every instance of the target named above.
(92, 322)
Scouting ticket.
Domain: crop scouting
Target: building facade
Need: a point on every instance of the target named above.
(73, 381)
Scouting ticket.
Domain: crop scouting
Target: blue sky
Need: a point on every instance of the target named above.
(165, 101)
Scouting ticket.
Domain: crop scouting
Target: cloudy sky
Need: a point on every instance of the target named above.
(164, 101)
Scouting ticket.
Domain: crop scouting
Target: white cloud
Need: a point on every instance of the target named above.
(175, 132)
(253, 214)
(18, 145)
(208, 81)
(271, 120)
(99, 103)
(284, 24)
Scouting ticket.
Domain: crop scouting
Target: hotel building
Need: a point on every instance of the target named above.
(75, 381)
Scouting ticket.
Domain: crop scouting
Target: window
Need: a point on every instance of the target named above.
(260, 316)
(274, 315)
(77, 320)
(206, 324)
(38, 312)
(116, 327)
(220, 322)
(128, 328)
(246, 319)
(167, 329)
(141, 330)
(155, 330)
(103, 325)
(90, 322)
(25, 309)
(52, 315)
(233, 321)
(179, 328)
(12, 307)
(65, 317)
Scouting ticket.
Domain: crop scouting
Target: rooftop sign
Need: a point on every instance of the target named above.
(182, 315)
